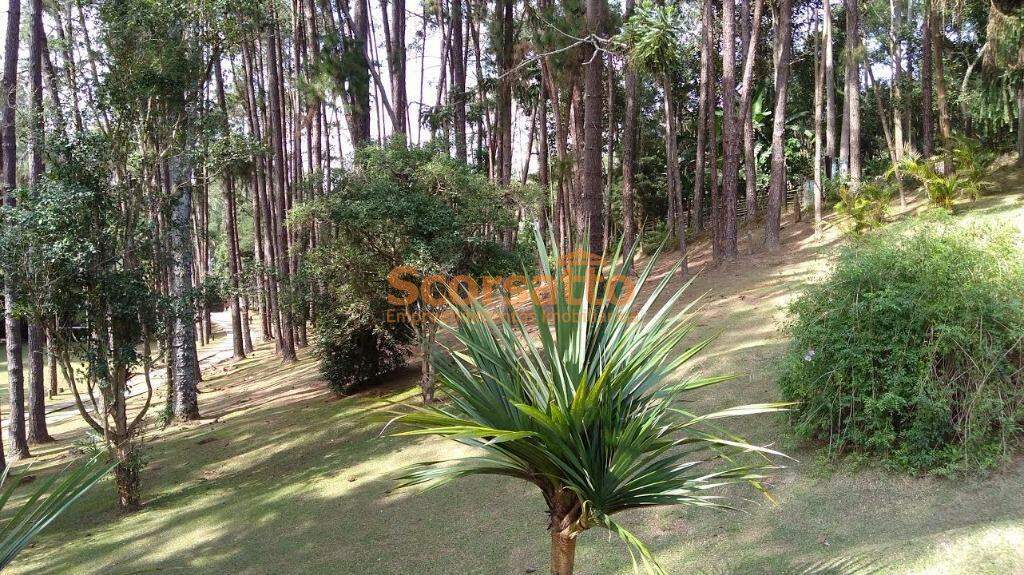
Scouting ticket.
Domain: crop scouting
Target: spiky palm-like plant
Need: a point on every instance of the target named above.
(46, 501)
(583, 408)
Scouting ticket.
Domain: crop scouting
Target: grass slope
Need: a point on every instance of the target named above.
(284, 478)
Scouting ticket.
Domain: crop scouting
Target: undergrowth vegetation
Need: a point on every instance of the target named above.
(866, 208)
(912, 349)
(958, 173)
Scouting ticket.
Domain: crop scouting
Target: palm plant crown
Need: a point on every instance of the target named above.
(587, 413)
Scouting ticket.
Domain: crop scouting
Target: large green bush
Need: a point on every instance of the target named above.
(912, 349)
(397, 206)
(357, 349)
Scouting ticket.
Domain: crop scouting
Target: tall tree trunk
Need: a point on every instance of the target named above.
(819, 97)
(927, 123)
(91, 58)
(730, 134)
(610, 171)
(938, 39)
(704, 110)
(505, 27)
(749, 167)
(228, 185)
(261, 252)
(749, 43)
(70, 66)
(830, 92)
(712, 151)
(543, 168)
(15, 376)
(37, 432)
(1020, 122)
(883, 119)
(852, 91)
(899, 110)
(777, 191)
(593, 116)
(53, 87)
(675, 187)
(525, 174)
(844, 135)
(285, 340)
(505, 31)
(295, 187)
(359, 87)
(576, 209)
(629, 152)
(560, 217)
(396, 65)
(458, 91)
(52, 357)
(185, 405)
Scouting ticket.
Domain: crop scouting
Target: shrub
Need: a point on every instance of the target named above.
(964, 177)
(867, 207)
(911, 349)
(397, 206)
(831, 188)
(355, 350)
(653, 238)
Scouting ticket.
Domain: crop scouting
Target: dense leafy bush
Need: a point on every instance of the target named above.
(831, 188)
(653, 238)
(397, 206)
(912, 349)
(355, 350)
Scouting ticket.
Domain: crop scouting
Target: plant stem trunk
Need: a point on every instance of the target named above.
(672, 170)
(819, 76)
(1020, 123)
(830, 92)
(126, 478)
(16, 383)
(37, 432)
(703, 111)
(628, 157)
(563, 553)
(852, 94)
(593, 116)
(935, 21)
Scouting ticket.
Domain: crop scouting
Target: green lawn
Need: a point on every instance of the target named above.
(288, 479)
(64, 394)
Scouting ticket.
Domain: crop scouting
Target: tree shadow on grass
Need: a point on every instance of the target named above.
(302, 487)
(305, 497)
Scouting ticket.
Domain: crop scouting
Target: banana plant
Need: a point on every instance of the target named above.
(575, 394)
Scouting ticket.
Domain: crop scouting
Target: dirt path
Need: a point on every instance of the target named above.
(213, 354)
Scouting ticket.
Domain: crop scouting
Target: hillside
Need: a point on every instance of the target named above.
(280, 476)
